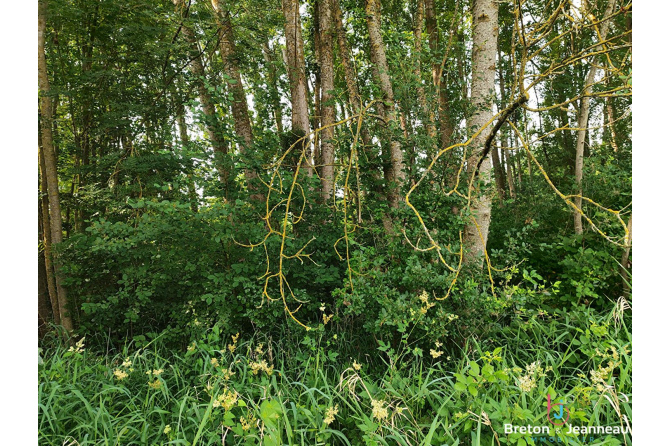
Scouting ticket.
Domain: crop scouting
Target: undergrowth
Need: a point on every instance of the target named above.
(318, 388)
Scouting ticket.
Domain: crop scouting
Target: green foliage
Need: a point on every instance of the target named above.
(261, 391)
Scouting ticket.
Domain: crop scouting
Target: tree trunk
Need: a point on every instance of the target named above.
(183, 136)
(326, 37)
(270, 58)
(50, 165)
(393, 168)
(240, 107)
(46, 240)
(498, 173)
(505, 157)
(198, 70)
(485, 37)
(295, 66)
(625, 257)
(44, 309)
(583, 123)
(418, 49)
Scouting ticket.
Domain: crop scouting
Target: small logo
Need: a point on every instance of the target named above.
(557, 416)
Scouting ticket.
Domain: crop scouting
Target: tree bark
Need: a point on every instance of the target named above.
(197, 68)
(485, 37)
(240, 107)
(505, 157)
(46, 240)
(418, 50)
(326, 37)
(625, 257)
(50, 165)
(183, 136)
(583, 123)
(270, 58)
(393, 169)
(295, 66)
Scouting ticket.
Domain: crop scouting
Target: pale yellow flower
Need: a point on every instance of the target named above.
(214, 362)
(120, 374)
(167, 429)
(226, 400)
(435, 354)
(330, 414)
(155, 384)
(379, 411)
(356, 366)
(126, 363)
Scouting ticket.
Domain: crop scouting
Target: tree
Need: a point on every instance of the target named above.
(327, 151)
(211, 121)
(484, 47)
(583, 120)
(50, 165)
(239, 106)
(295, 61)
(394, 165)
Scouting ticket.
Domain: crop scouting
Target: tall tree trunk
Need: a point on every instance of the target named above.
(583, 123)
(270, 59)
(183, 137)
(350, 75)
(418, 50)
(44, 309)
(393, 168)
(625, 257)
(50, 165)
(505, 157)
(498, 173)
(295, 66)
(326, 37)
(484, 45)
(46, 239)
(198, 70)
(240, 107)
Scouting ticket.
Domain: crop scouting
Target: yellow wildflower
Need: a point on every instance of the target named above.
(120, 374)
(214, 361)
(379, 411)
(435, 354)
(155, 384)
(126, 363)
(327, 319)
(226, 400)
(167, 429)
(78, 347)
(247, 422)
(330, 414)
(356, 366)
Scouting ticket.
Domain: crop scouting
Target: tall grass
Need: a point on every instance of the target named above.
(319, 390)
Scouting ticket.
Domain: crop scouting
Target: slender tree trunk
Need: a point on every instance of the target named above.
(625, 257)
(498, 173)
(240, 107)
(50, 164)
(446, 125)
(418, 50)
(326, 37)
(505, 155)
(198, 70)
(183, 136)
(270, 59)
(350, 75)
(583, 123)
(46, 240)
(295, 66)
(393, 170)
(485, 37)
